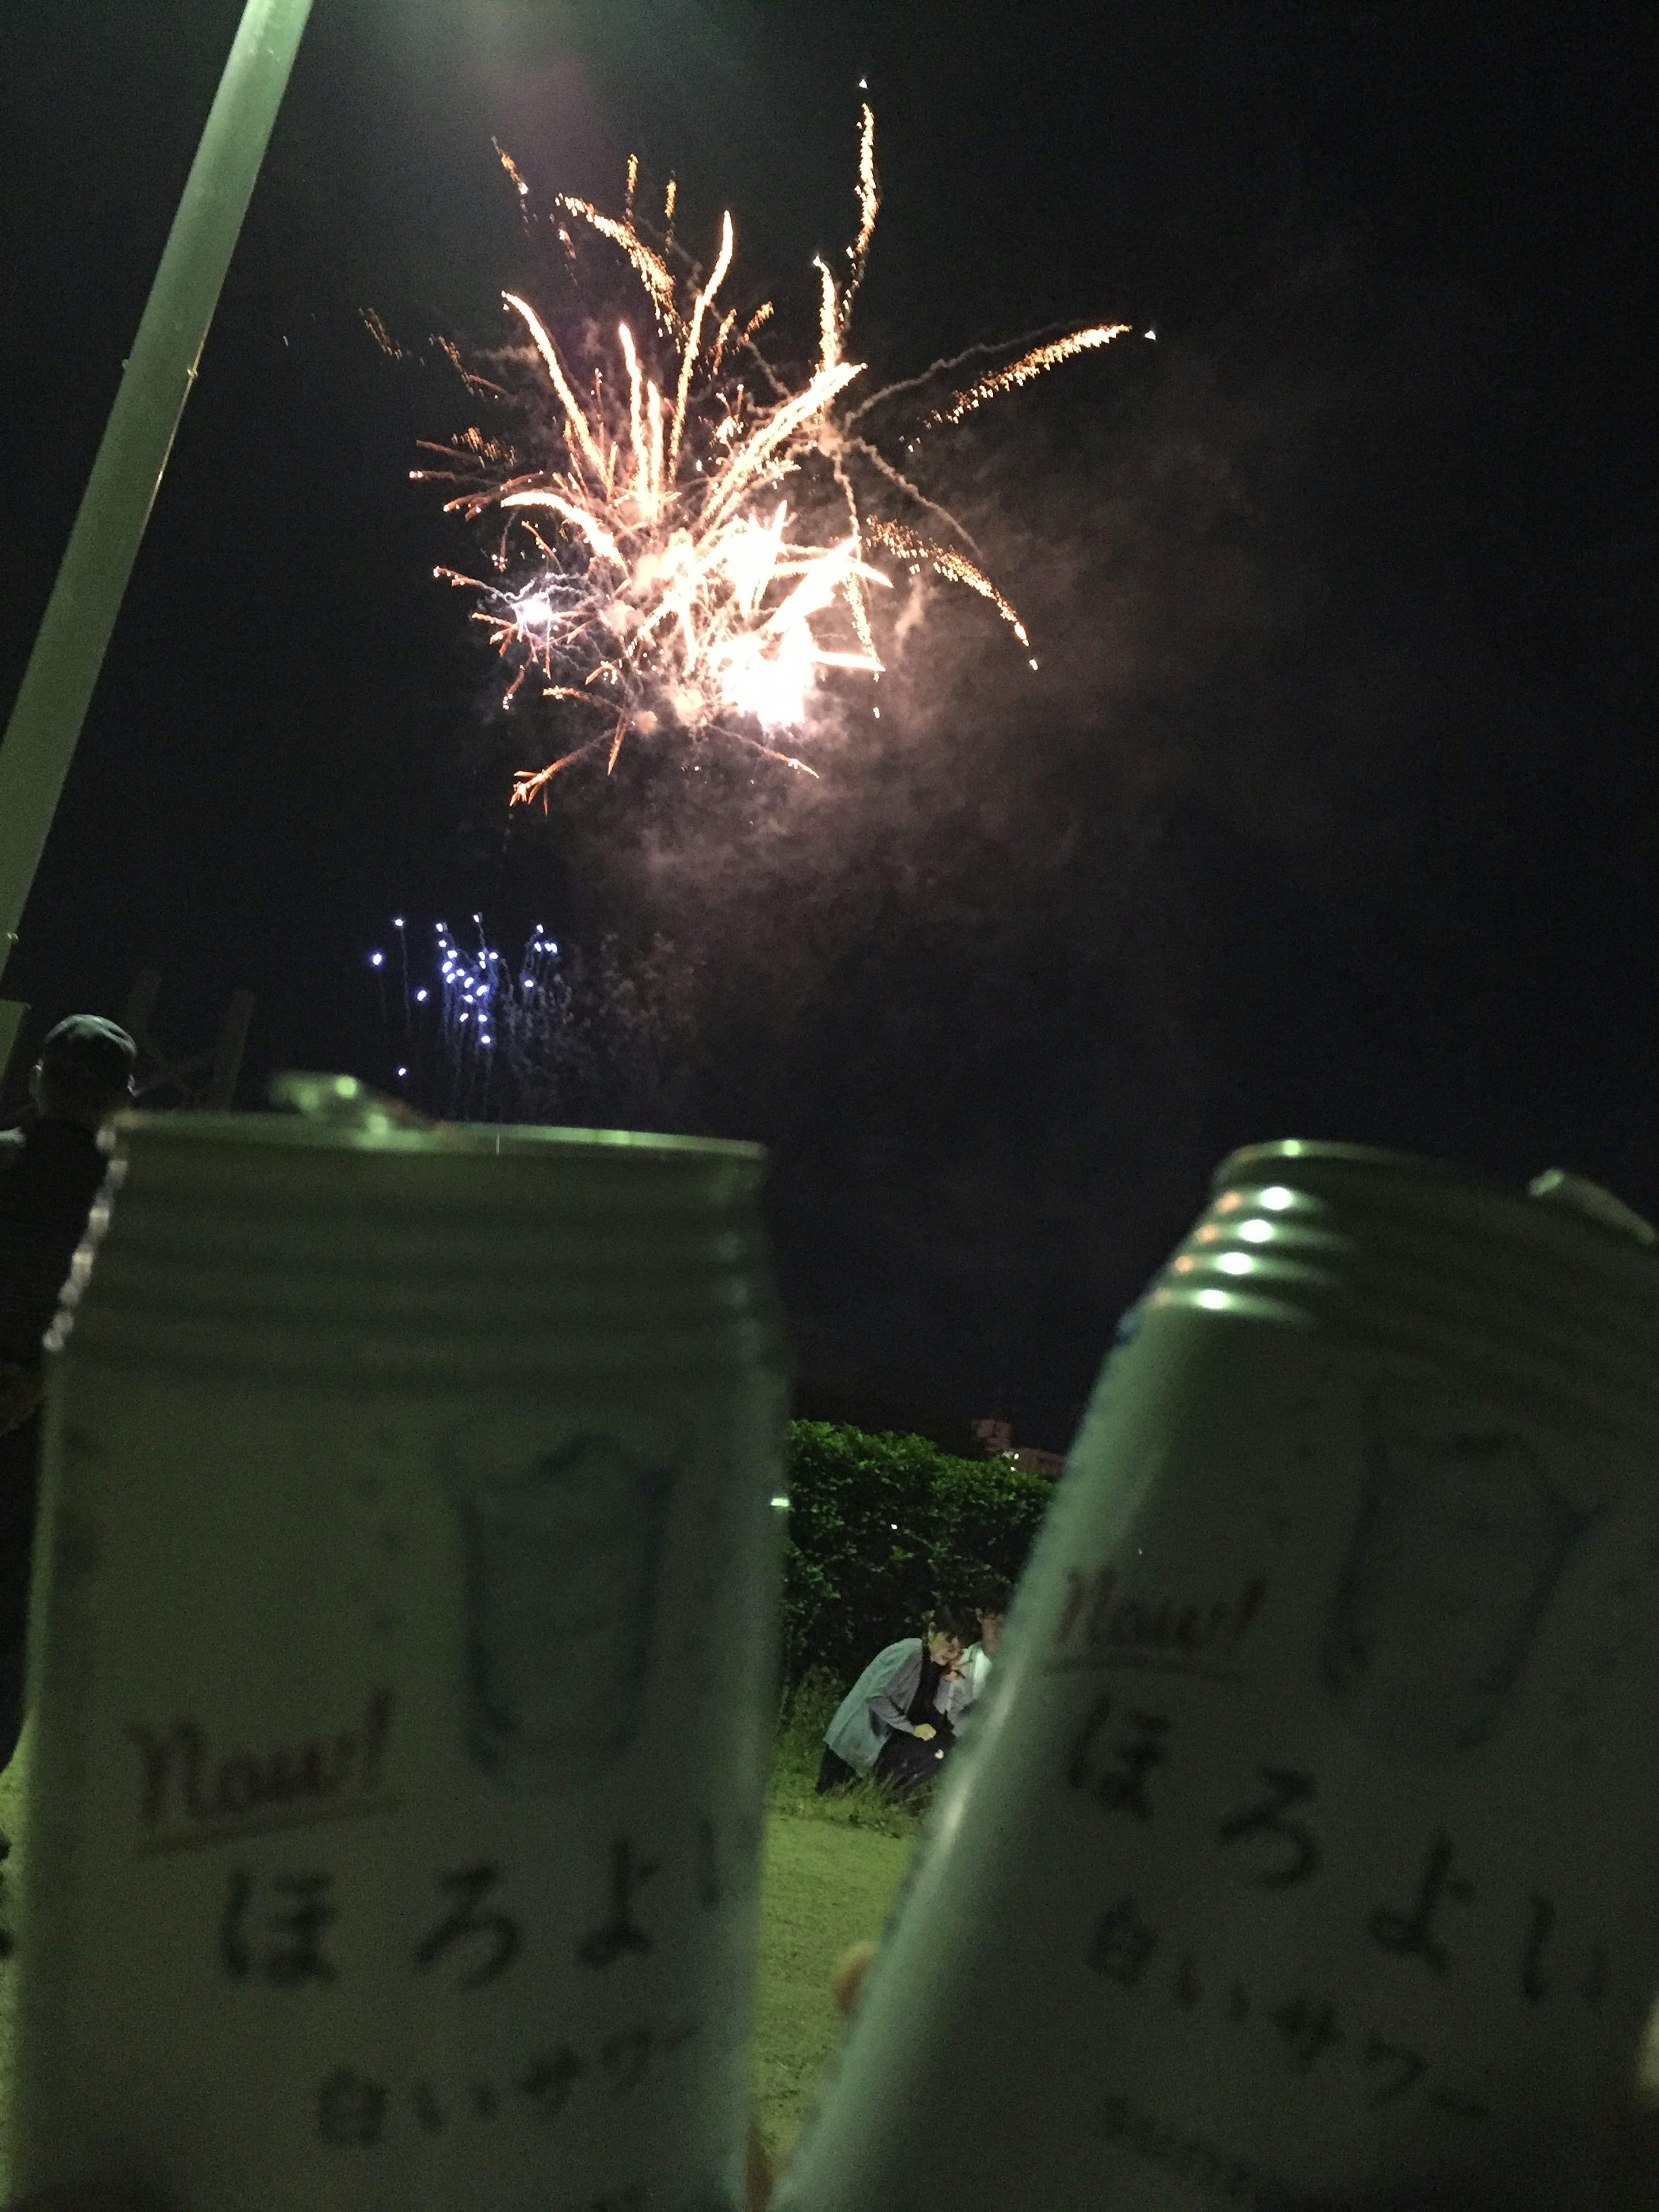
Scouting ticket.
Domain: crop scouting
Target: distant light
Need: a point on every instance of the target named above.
(1235, 1263)
(397, 921)
(402, 1072)
(375, 958)
(1212, 1298)
(1149, 334)
(1034, 664)
(1256, 1232)
(1278, 1197)
(421, 996)
(781, 1502)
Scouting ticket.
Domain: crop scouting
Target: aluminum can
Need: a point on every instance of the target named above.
(1304, 1851)
(401, 1681)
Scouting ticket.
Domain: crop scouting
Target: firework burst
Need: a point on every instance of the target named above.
(583, 1036)
(689, 549)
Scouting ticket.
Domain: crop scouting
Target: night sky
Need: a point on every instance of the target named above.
(1327, 814)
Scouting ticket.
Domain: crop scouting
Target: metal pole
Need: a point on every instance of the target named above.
(57, 684)
(228, 1057)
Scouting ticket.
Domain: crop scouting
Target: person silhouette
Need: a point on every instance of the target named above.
(51, 1169)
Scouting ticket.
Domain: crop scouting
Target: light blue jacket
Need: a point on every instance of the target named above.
(877, 1704)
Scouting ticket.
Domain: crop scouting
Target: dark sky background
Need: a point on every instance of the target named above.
(1329, 813)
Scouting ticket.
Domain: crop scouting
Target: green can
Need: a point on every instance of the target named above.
(401, 1675)
(1304, 1851)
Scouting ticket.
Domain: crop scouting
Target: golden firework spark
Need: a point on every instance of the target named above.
(1034, 363)
(656, 572)
(910, 545)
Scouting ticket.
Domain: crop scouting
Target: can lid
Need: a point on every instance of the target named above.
(349, 1245)
(339, 1112)
(1545, 1290)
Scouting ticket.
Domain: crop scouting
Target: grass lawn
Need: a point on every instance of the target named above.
(826, 1884)
(831, 1868)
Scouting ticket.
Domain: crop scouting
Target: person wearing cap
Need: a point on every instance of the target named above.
(50, 1171)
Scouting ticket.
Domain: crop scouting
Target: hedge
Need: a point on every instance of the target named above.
(883, 1529)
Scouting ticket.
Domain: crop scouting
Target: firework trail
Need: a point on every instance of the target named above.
(689, 548)
(560, 1036)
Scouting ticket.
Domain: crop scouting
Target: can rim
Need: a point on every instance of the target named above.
(455, 1139)
(1559, 1192)
(1317, 1148)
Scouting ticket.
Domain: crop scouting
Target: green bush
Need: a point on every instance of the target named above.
(882, 1530)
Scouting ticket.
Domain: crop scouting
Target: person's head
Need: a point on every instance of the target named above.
(84, 1070)
(949, 1634)
(990, 1611)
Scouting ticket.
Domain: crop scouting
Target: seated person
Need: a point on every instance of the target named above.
(898, 1720)
(990, 1610)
